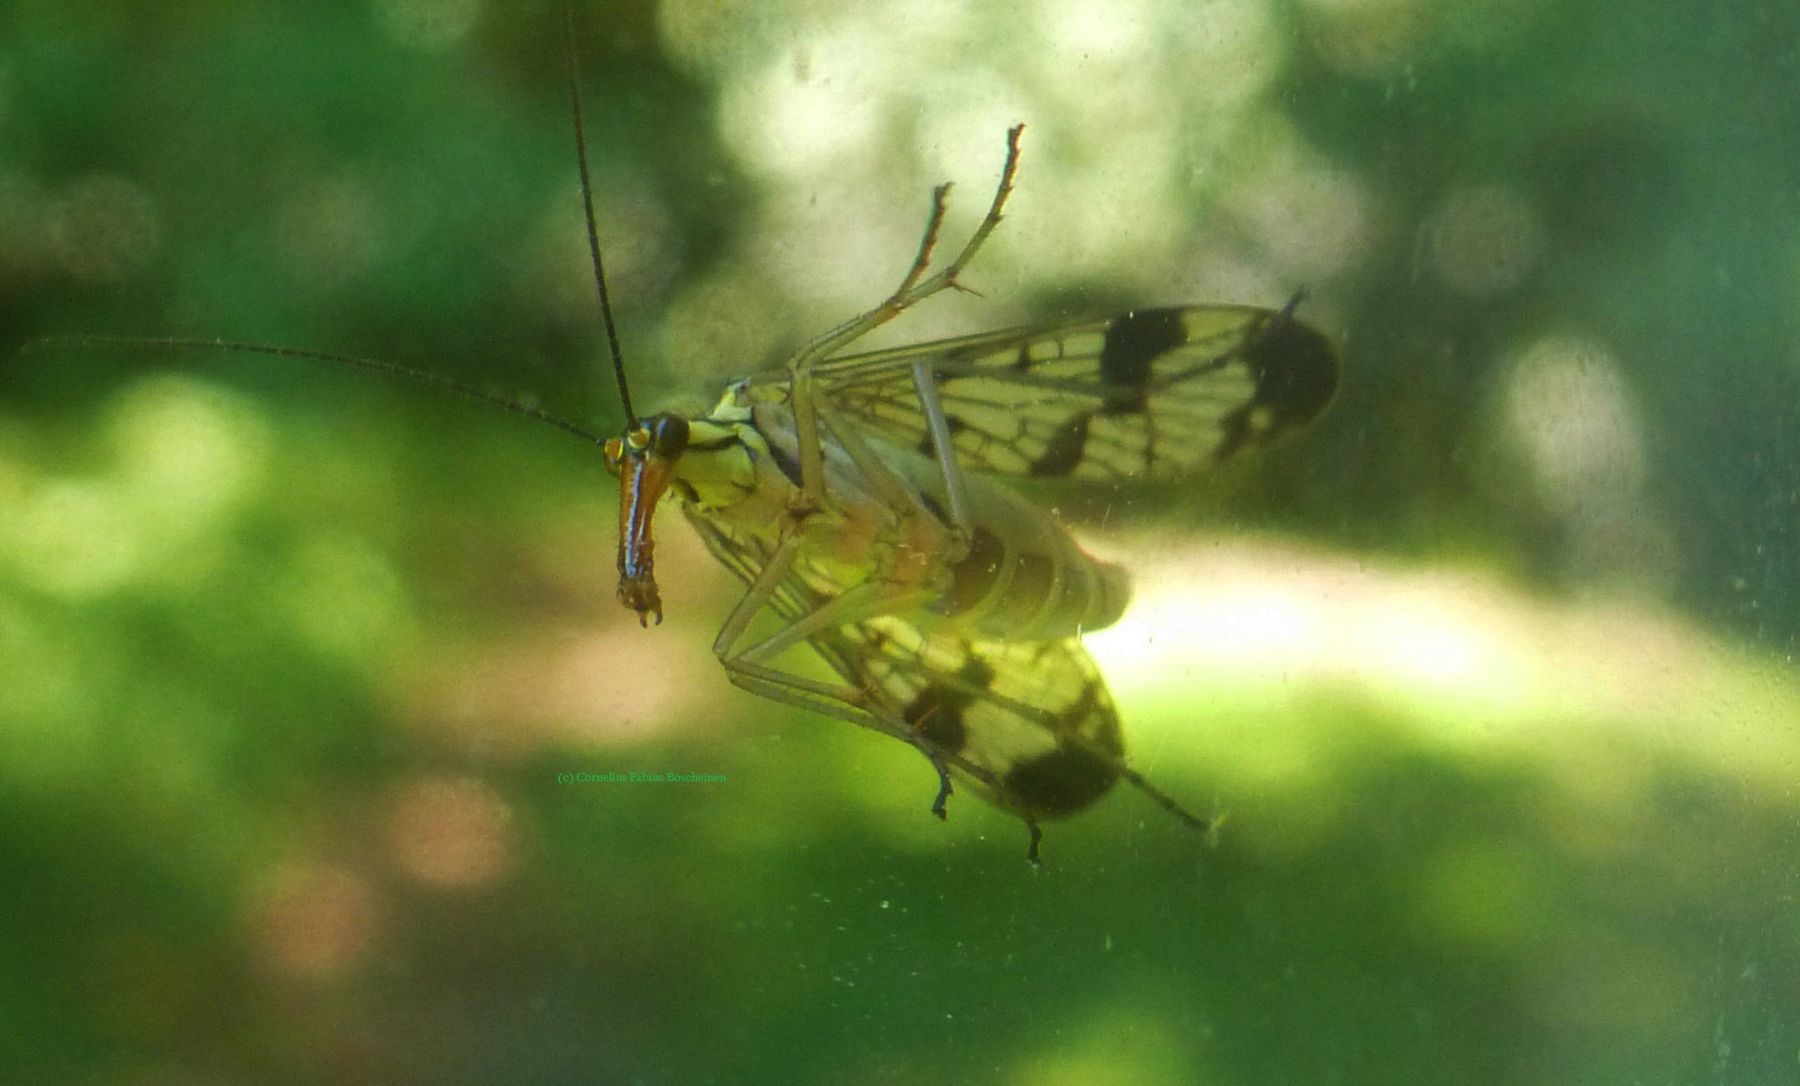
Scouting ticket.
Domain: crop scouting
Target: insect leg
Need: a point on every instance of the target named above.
(835, 701)
(913, 289)
(944, 445)
(844, 703)
(745, 670)
(839, 702)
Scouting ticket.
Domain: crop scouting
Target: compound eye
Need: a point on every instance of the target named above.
(613, 453)
(669, 435)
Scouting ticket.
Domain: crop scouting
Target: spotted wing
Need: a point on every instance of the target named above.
(1155, 393)
(1030, 725)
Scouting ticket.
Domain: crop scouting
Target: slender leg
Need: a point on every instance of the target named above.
(745, 670)
(866, 600)
(844, 703)
(913, 289)
(761, 590)
(944, 444)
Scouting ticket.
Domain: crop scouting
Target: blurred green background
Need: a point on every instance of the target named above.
(1493, 671)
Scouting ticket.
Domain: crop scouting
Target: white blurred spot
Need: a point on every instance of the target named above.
(1247, 612)
(1223, 52)
(1098, 207)
(1471, 658)
(1570, 421)
(1424, 641)
(699, 34)
(1570, 416)
(1312, 219)
(1483, 239)
(427, 24)
(961, 133)
(718, 38)
(1117, 33)
(1223, 272)
(1246, 623)
(820, 102)
(801, 247)
(849, 114)
(725, 323)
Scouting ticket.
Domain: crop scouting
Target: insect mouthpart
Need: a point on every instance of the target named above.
(644, 460)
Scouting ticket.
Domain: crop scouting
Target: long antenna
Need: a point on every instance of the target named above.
(587, 206)
(176, 343)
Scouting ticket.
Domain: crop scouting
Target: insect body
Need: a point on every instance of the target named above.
(855, 495)
(949, 607)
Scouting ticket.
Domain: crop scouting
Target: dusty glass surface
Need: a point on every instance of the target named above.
(1492, 671)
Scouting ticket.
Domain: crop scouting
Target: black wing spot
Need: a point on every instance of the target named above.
(937, 713)
(977, 673)
(1295, 368)
(1296, 375)
(1133, 344)
(1059, 783)
(1063, 452)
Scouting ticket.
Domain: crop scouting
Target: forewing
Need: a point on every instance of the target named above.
(1152, 394)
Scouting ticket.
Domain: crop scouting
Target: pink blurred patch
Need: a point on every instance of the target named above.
(451, 832)
(315, 921)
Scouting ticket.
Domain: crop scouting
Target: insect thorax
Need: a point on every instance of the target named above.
(1016, 575)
